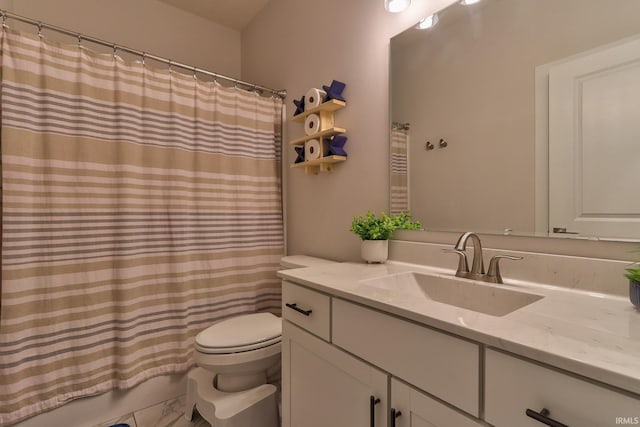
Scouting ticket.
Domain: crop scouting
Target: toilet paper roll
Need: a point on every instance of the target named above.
(313, 98)
(312, 124)
(312, 149)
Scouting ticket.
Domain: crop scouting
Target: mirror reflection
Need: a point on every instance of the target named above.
(511, 117)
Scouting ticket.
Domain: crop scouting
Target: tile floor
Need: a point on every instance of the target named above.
(165, 414)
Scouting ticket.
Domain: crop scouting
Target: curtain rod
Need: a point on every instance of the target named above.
(40, 25)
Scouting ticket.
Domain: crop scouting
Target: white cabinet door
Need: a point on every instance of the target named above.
(513, 385)
(594, 143)
(415, 409)
(325, 387)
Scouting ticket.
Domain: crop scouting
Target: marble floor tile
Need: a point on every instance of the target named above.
(168, 414)
(125, 419)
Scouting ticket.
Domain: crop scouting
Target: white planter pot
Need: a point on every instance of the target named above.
(375, 251)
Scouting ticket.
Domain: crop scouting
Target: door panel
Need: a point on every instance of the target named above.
(594, 143)
(323, 386)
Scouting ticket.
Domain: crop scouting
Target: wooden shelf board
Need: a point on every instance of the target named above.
(331, 105)
(317, 162)
(327, 132)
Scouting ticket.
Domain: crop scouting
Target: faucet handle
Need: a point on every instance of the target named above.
(493, 274)
(463, 265)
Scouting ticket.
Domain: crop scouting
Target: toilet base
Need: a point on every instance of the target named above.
(249, 408)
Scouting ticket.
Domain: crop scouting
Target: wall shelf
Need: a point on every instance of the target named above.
(325, 113)
(324, 164)
(322, 134)
(329, 106)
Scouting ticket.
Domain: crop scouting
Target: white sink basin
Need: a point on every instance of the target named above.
(494, 300)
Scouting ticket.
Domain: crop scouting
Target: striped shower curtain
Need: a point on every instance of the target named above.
(399, 171)
(138, 207)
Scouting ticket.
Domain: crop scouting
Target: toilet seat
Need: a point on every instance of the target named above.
(240, 334)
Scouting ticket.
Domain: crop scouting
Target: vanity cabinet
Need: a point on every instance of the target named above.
(340, 357)
(513, 385)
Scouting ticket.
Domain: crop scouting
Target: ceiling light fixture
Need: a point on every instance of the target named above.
(395, 6)
(468, 2)
(427, 22)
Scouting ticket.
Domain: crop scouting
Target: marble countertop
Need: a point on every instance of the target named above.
(590, 334)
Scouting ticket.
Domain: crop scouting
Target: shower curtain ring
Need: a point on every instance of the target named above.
(144, 54)
(115, 51)
(4, 19)
(170, 65)
(40, 30)
(79, 40)
(195, 70)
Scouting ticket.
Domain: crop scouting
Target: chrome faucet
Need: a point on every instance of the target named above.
(477, 266)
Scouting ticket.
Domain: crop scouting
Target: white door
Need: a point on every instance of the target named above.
(326, 387)
(594, 144)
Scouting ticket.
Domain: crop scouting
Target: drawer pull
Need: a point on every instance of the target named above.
(373, 401)
(543, 417)
(298, 309)
(394, 414)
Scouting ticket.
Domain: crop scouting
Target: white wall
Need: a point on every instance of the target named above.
(147, 25)
(298, 44)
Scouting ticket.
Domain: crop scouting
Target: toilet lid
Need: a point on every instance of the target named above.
(241, 333)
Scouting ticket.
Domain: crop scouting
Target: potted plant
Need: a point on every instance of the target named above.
(633, 274)
(375, 232)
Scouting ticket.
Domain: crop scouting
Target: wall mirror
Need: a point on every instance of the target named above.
(520, 117)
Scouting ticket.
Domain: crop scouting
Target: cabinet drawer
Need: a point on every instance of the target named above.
(308, 309)
(442, 365)
(513, 385)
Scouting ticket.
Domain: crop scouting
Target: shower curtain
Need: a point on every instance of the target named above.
(138, 207)
(399, 171)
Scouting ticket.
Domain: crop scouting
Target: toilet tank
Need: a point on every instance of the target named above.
(299, 261)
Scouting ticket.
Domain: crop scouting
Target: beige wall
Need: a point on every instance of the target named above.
(298, 44)
(349, 41)
(146, 25)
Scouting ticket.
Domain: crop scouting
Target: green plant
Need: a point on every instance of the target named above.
(372, 227)
(633, 272)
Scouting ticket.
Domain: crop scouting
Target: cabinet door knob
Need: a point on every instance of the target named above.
(394, 414)
(373, 401)
(543, 417)
(295, 307)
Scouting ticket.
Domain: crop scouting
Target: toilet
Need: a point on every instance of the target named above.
(229, 385)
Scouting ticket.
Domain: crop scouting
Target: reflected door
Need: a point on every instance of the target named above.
(594, 144)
